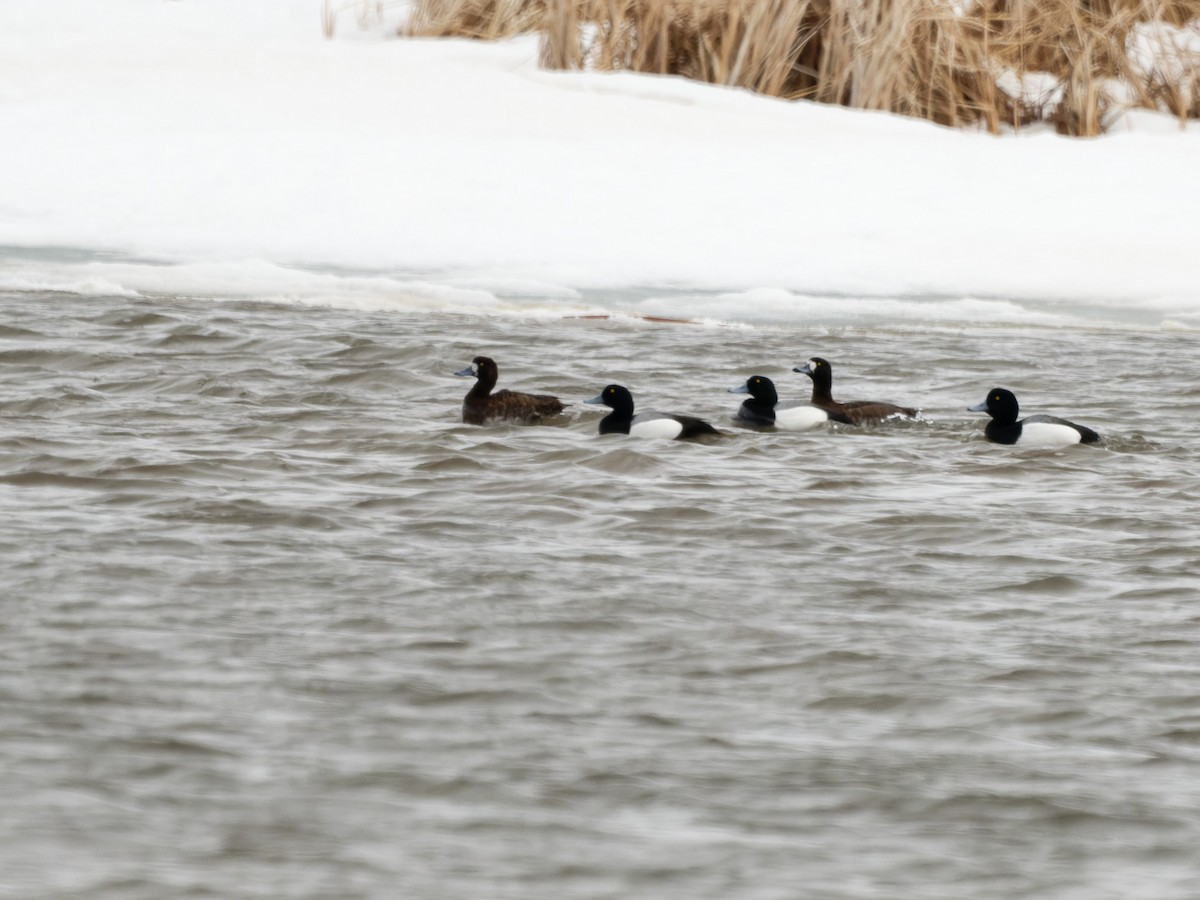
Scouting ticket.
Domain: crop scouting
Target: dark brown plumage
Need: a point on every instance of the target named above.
(481, 406)
(856, 412)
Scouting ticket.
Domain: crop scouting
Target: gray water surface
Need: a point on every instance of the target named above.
(276, 624)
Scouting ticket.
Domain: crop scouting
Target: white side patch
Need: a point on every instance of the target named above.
(1047, 434)
(799, 418)
(655, 428)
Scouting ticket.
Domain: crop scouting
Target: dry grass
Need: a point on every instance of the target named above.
(481, 19)
(941, 60)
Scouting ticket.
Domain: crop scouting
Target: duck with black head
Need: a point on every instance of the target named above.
(763, 411)
(1033, 431)
(481, 406)
(857, 412)
(648, 424)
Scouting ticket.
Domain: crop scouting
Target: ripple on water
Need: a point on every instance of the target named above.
(278, 623)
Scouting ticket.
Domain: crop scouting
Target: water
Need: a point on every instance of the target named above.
(277, 625)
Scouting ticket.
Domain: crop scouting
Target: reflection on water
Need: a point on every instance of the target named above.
(277, 624)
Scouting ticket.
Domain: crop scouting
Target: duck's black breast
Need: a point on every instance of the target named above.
(1002, 433)
(616, 423)
(756, 414)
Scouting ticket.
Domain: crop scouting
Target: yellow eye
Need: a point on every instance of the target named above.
(757, 381)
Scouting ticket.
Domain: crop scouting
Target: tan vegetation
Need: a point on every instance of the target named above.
(955, 62)
(481, 19)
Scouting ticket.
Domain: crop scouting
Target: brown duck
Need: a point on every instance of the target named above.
(857, 412)
(481, 405)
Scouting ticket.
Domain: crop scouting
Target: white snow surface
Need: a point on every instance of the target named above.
(226, 148)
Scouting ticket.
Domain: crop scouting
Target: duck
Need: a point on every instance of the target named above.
(1036, 431)
(857, 412)
(762, 409)
(648, 424)
(481, 406)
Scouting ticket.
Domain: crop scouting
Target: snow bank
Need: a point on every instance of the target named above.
(223, 137)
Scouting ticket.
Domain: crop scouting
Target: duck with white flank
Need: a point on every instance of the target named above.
(1032, 431)
(648, 424)
(762, 410)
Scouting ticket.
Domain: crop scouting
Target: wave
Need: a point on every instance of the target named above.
(540, 294)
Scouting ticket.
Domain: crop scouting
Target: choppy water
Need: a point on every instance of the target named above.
(276, 624)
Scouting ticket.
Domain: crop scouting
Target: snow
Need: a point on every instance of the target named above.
(1157, 46)
(223, 148)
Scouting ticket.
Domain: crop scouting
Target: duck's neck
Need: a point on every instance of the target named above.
(821, 393)
(617, 422)
(483, 386)
(620, 418)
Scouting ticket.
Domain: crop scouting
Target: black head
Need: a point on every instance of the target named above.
(484, 370)
(615, 397)
(481, 367)
(761, 388)
(816, 368)
(1000, 404)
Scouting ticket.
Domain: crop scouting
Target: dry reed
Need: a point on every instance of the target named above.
(948, 61)
(480, 19)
